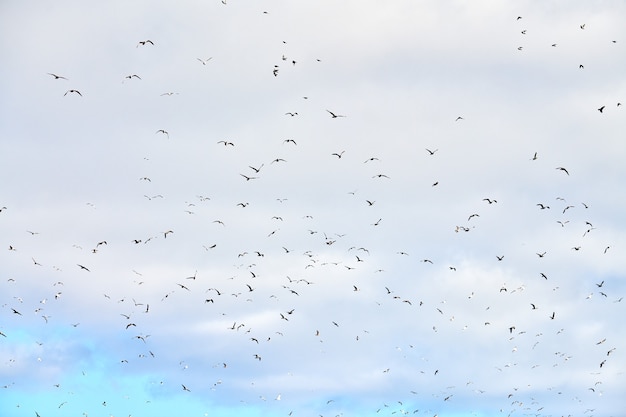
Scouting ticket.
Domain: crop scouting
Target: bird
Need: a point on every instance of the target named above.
(333, 115)
(431, 152)
(143, 43)
(204, 61)
(83, 267)
(73, 91)
(226, 143)
(338, 155)
(185, 388)
(500, 257)
(57, 77)
(601, 109)
(563, 169)
(248, 178)
(165, 132)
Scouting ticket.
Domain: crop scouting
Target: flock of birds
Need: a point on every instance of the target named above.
(279, 278)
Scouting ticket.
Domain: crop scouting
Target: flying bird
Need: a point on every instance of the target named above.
(73, 91)
(562, 169)
(601, 109)
(333, 115)
(57, 77)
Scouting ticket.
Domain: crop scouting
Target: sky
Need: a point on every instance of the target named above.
(312, 208)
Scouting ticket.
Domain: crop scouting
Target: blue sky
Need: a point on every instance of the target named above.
(187, 229)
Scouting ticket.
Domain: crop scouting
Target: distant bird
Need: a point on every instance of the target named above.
(248, 178)
(73, 91)
(290, 141)
(338, 155)
(541, 255)
(533, 306)
(542, 206)
(165, 132)
(204, 61)
(562, 169)
(472, 215)
(57, 77)
(333, 115)
(490, 201)
(431, 152)
(291, 114)
(167, 233)
(226, 143)
(500, 257)
(552, 316)
(143, 43)
(83, 267)
(582, 26)
(601, 109)
(459, 118)
(133, 76)
(370, 203)
(185, 388)
(534, 158)
(256, 169)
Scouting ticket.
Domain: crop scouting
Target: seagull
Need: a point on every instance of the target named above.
(431, 152)
(165, 132)
(601, 109)
(338, 155)
(73, 91)
(204, 61)
(226, 143)
(248, 178)
(57, 77)
(563, 169)
(334, 116)
(83, 267)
